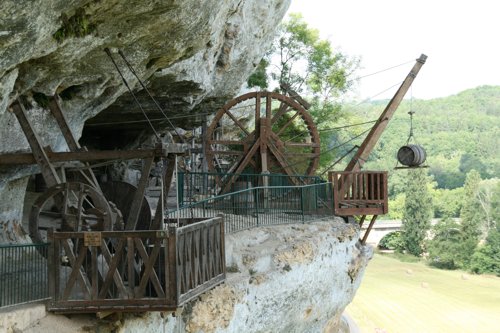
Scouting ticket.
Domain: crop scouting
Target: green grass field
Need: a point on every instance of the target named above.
(397, 296)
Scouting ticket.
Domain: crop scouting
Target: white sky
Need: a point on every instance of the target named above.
(461, 39)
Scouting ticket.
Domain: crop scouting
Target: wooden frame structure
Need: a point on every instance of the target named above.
(135, 270)
(359, 193)
(365, 193)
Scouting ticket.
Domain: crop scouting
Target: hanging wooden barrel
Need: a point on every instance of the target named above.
(411, 155)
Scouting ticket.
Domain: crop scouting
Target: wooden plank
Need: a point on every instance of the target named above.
(242, 164)
(288, 123)
(222, 241)
(38, 152)
(56, 111)
(358, 211)
(143, 305)
(149, 272)
(82, 277)
(236, 121)
(284, 165)
(301, 144)
(114, 262)
(71, 141)
(362, 221)
(135, 207)
(283, 109)
(53, 265)
(77, 271)
(95, 273)
(269, 103)
(385, 193)
(130, 265)
(367, 232)
(107, 234)
(193, 293)
(257, 106)
(113, 274)
(171, 269)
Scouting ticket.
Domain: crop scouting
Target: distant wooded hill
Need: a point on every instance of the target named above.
(459, 133)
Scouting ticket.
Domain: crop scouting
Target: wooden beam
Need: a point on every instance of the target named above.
(371, 139)
(84, 156)
(367, 232)
(39, 155)
(71, 141)
(236, 121)
(135, 208)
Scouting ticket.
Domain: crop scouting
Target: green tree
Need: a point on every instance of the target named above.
(486, 259)
(417, 211)
(310, 66)
(259, 76)
(495, 205)
(445, 244)
(471, 217)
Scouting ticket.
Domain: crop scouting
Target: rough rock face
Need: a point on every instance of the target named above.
(296, 278)
(188, 52)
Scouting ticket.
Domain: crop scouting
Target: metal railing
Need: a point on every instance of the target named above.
(23, 273)
(198, 186)
(261, 206)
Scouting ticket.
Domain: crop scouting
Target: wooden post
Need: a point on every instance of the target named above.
(367, 232)
(53, 267)
(135, 208)
(172, 280)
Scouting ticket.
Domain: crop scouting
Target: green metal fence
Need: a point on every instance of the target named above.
(197, 186)
(23, 273)
(261, 206)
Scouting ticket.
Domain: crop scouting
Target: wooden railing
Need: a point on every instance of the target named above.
(359, 193)
(200, 258)
(134, 270)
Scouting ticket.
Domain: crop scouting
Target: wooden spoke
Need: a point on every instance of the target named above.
(280, 136)
(71, 206)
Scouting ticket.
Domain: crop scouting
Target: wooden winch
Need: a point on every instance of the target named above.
(75, 200)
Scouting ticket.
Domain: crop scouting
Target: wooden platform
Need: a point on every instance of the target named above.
(359, 193)
(135, 270)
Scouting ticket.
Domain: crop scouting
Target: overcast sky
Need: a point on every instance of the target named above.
(461, 39)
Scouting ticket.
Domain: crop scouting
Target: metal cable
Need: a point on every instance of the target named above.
(384, 70)
(331, 149)
(334, 128)
(108, 52)
(151, 96)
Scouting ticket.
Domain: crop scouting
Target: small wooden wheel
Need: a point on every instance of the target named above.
(263, 132)
(71, 206)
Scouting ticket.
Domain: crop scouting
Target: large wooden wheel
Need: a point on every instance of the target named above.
(262, 132)
(71, 206)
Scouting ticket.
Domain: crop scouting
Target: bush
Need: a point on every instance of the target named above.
(392, 241)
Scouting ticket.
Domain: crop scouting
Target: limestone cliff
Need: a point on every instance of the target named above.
(190, 53)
